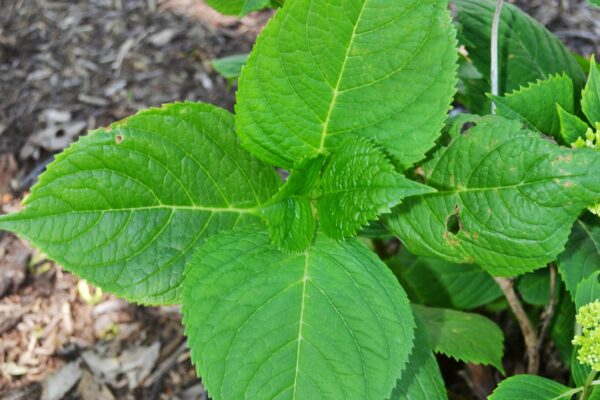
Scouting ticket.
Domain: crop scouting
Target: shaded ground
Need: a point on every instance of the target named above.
(67, 66)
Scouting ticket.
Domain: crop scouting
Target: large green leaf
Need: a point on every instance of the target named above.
(590, 97)
(125, 206)
(324, 69)
(330, 323)
(506, 199)
(465, 336)
(422, 379)
(529, 387)
(536, 104)
(527, 50)
(581, 257)
(358, 184)
(439, 283)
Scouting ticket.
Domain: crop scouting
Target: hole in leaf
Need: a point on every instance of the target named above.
(453, 224)
(466, 127)
(118, 139)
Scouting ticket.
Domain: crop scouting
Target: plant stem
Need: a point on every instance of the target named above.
(587, 386)
(494, 69)
(549, 311)
(529, 333)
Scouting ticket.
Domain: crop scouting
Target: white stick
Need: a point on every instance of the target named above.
(494, 49)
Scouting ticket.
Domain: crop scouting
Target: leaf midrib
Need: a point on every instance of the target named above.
(301, 323)
(336, 90)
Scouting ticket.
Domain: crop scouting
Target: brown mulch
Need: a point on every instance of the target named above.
(67, 66)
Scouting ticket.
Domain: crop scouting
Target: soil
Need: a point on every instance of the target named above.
(68, 66)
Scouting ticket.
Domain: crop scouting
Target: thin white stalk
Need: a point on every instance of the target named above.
(494, 49)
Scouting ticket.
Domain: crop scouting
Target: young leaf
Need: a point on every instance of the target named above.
(534, 287)
(322, 70)
(439, 283)
(230, 67)
(535, 105)
(422, 379)
(581, 257)
(590, 97)
(125, 206)
(496, 183)
(290, 215)
(588, 290)
(571, 126)
(529, 387)
(527, 50)
(464, 336)
(238, 7)
(358, 185)
(333, 322)
(291, 223)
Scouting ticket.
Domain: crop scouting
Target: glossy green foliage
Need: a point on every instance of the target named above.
(358, 184)
(464, 336)
(422, 379)
(438, 283)
(125, 206)
(529, 387)
(330, 323)
(590, 97)
(536, 104)
(322, 70)
(527, 50)
(495, 183)
(581, 257)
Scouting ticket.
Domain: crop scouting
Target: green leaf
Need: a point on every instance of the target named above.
(325, 69)
(534, 287)
(495, 184)
(535, 105)
(125, 206)
(230, 67)
(238, 7)
(571, 126)
(358, 185)
(579, 372)
(290, 215)
(563, 327)
(527, 50)
(581, 257)
(594, 2)
(291, 223)
(590, 97)
(333, 322)
(422, 379)
(439, 283)
(467, 337)
(588, 290)
(529, 387)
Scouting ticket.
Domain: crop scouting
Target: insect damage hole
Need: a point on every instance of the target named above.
(118, 139)
(453, 222)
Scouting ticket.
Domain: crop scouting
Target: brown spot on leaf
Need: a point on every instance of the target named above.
(118, 139)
